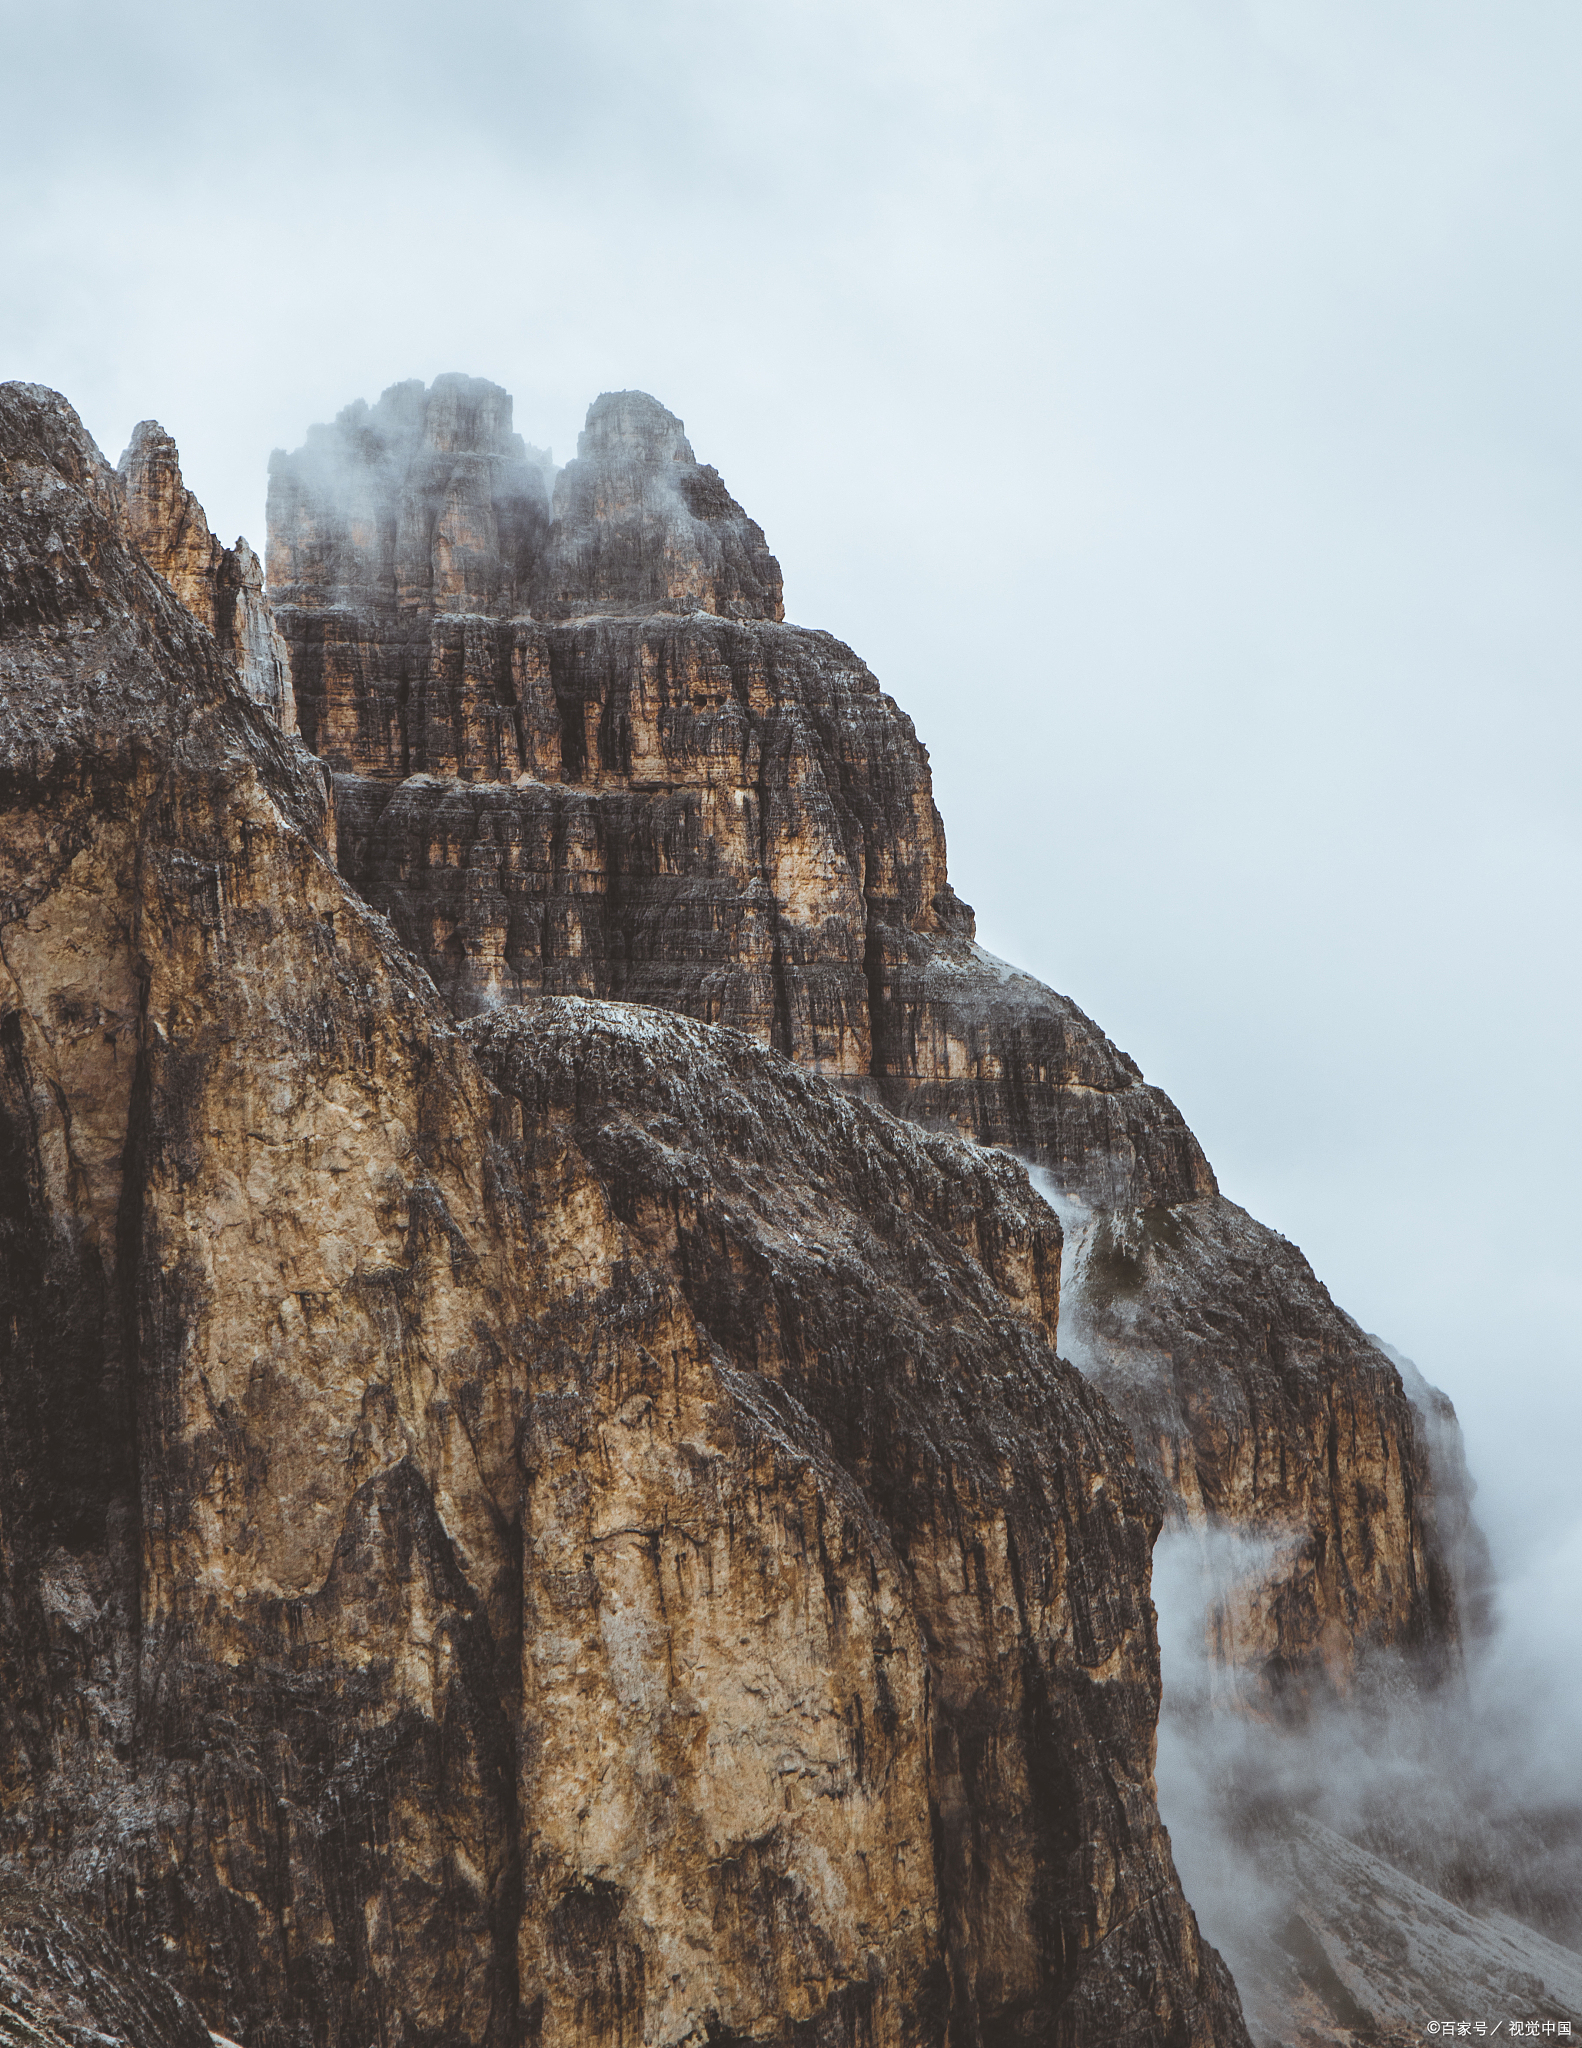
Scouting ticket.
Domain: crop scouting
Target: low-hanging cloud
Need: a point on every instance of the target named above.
(1469, 1792)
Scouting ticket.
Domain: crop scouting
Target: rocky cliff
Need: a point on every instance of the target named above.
(223, 587)
(570, 1528)
(608, 774)
(407, 537)
(585, 756)
(1265, 1408)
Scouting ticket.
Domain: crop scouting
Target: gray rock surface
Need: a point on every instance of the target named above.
(65, 1984)
(641, 526)
(1365, 1954)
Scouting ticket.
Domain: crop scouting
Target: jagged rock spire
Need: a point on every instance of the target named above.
(223, 587)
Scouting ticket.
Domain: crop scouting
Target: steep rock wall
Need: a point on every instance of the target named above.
(708, 809)
(224, 587)
(580, 1535)
(1264, 1407)
(725, 816)
(406, 538)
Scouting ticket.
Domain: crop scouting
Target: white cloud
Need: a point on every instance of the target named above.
(1174, 402)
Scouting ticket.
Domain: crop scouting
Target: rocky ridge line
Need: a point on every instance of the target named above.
(222, 587)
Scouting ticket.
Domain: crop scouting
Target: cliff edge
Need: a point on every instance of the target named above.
(566, 1528)
(683, 801)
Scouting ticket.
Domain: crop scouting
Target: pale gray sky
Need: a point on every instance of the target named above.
(1176, 401)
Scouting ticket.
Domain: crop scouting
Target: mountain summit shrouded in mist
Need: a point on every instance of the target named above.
(1173, 403)
(572, 1521)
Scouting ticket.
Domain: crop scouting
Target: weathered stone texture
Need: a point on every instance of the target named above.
(641, 526)
(710, 810)
(224, 587)
(570, 1531)
(407, 538)
(65, 1984)
(1264, 1407)
(424, 502)
(727, 817)
(963, 1525)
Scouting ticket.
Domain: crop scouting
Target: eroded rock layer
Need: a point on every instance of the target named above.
(224, 587)
(732, 820)
(675, 800)
(574, 1530)
(1264, 1407)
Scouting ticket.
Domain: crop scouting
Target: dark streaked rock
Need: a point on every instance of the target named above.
(65, 1984)
(571, 1530)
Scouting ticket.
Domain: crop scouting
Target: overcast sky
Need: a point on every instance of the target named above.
(1176, 402)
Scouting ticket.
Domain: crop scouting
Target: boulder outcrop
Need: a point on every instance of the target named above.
(570, 1528)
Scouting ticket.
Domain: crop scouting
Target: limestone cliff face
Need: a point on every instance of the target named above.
(670, 796)
(572, 1529)
(407, 538)
(425, 502)
(725, 816)
(1265, 1407)
(224, 587)
(913, 1399)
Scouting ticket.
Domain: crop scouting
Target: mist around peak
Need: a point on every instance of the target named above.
(1358, 1822)
(1350, 1860)
(431, 498)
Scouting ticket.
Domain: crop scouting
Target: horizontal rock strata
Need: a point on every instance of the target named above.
(572, 1531)
(406, 538)
(644, 790)
(708, 809)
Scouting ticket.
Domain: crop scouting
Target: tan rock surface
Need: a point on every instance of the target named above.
(725, 816)
(222, 587)
(580, 1534)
